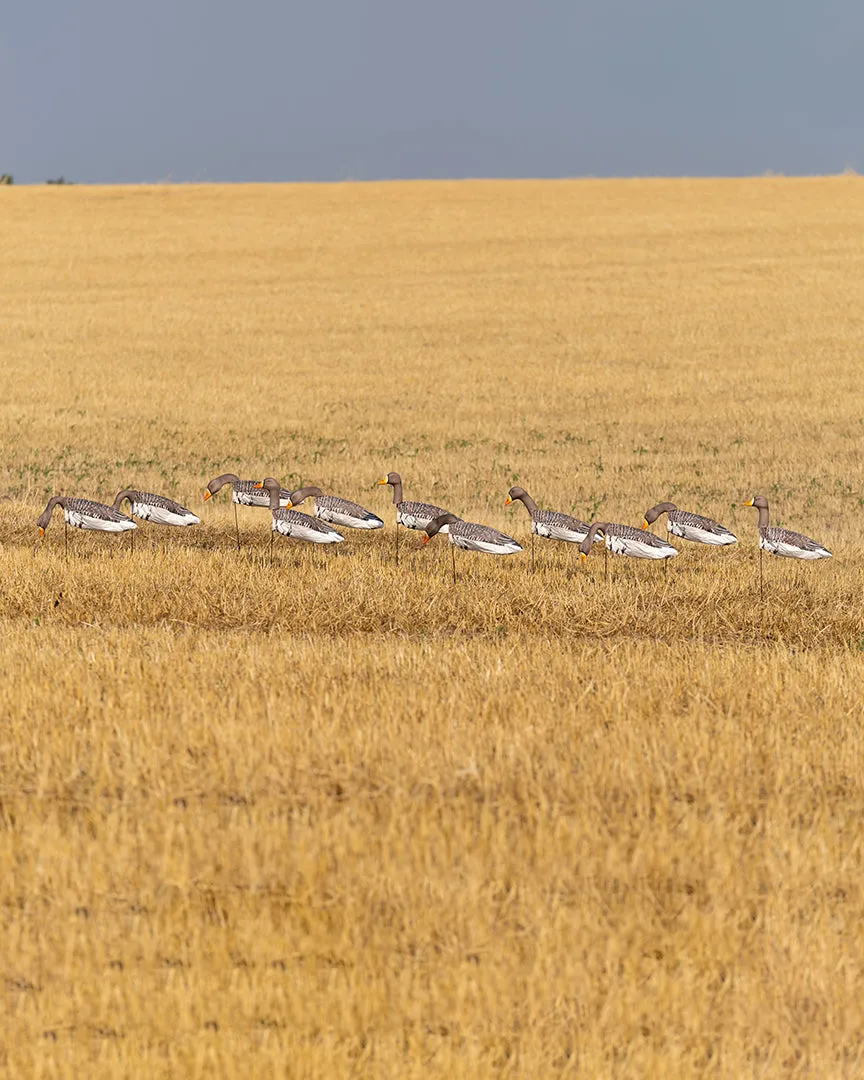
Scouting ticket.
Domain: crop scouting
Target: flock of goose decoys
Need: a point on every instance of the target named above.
(331, 510)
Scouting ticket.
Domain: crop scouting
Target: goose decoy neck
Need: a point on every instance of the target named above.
(596, 527)
(303, 493)
(655, 512)
(522, 494)
(273, 489)
(219, 482)
(395, 481)
(126, 493)
(45, 517)
(761, 504)
(436, 524)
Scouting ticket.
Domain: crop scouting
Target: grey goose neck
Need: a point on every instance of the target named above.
(661, 508)
(304, 493)
(439, 522)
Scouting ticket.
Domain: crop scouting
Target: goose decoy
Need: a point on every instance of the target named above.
(244, 493)
(413, 515)
(84, 514)
(626, 540)
(471, 537)
(290, 522)
(548, 523)
(783, 542)
(156, 508)
(335, 510)
(701, 530)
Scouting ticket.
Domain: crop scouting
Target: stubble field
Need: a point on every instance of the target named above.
(326, 817)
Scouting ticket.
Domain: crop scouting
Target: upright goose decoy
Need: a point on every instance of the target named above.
(470, 536)
(701, 530)
(290, 522)
(335, 510)
(783, 542)
(84, 514)
(548, 523)
(244, 493)
(413, 515)
(627, 540)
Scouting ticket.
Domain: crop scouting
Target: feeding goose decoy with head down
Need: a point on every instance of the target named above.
(470, 536)
(548, 523)
(337, 511)
(244, 493)
(84, 514)
(783, 542)
(627, 540)
(156, 508)
(290, 522)
(413, 515)
(687, 526)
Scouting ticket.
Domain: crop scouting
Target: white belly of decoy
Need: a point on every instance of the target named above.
(558, 532)
(250, 498)
(488, 546)
(701, 536)
(84, 521)
(160, 516)
(347, 521)
(637, 549)
(789, 551)
(302, 532)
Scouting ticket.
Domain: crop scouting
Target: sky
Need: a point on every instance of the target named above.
(111, 91)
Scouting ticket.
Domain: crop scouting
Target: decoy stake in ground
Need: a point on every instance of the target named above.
(549, 523)
(84, 514)
(782, 542)
(471, 537)
(413, 515)
(244, 493)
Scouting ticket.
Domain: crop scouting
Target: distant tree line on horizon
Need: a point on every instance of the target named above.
(6, 179)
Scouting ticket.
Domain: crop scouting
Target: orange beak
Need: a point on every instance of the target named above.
(644, 524)
(208, 494)
(749, 502)
(383, 480)
(41, 532)
(507, 501)
(288, 505)
(584, 556)
(260, 484)
(426, 539)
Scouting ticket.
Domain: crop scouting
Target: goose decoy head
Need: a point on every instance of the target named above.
(301, 494)
(588, 542)
(514, 494)
(391, 478)
(218, 483)
(436, 524)
(759, 501)
(269, 484)
(655, 512)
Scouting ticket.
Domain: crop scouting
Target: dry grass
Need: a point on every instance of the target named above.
(327, 818)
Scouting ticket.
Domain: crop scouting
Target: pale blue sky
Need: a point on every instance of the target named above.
(111, 91)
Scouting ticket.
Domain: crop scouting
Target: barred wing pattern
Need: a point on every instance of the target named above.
(701, 530)
(417, 515)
